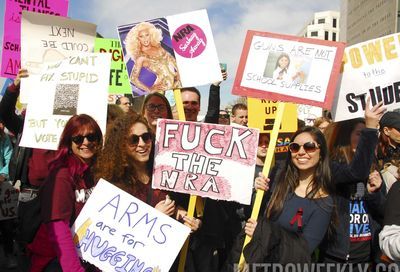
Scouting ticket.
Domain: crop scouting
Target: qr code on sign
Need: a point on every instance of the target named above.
(66, 99)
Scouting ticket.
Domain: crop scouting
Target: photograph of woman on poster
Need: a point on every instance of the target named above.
(143, 44)
(287, 71)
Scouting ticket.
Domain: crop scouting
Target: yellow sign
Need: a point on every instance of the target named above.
(262, 114)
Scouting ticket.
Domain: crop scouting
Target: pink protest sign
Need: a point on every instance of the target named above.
(11, 55)
(207, 160)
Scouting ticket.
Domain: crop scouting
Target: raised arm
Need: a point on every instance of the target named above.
(214, 102)
(359, 168)
(12, 121)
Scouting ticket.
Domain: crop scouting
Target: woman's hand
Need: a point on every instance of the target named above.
(261, 182)
(193, 223)
(373, 115)
(166, 206)
(180, 213)
(250, 227)
(374, 182)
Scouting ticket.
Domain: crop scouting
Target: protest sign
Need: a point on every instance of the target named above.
(370, 69)
(288, 68)
(46, 38)
(168, 53)
(119, 82)
(76, 85)
(262, 114)
(207, 160)
(308, 113)
(8, 201)
(117, 232)
(11, 56)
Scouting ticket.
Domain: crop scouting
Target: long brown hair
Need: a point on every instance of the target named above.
(338, 136)
(113, 163)
(289, 179)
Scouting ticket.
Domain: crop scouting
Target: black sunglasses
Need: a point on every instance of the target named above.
(226, 116)
(134, 139)
(309, 147)
(91, 137)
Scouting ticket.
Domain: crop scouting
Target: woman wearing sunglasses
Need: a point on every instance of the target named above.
(127, 162)
(156, 106)
(301, 201)
(70, 173)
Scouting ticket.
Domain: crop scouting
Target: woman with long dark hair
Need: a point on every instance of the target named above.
(301, 200)
(360, 202)
(64, 194)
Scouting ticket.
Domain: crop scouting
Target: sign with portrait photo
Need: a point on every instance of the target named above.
(168, 53)
(287, 68)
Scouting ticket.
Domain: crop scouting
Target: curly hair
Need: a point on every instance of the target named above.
(132, 44)
(113, 163)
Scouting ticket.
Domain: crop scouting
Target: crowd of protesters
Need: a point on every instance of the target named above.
(333, 200)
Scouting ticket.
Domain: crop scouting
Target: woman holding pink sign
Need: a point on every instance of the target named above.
(127, 162)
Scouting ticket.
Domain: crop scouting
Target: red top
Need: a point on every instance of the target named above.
(38, 165)
(62, 195)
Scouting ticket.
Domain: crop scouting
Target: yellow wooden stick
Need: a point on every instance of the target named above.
(179, 105)
(266, 169)
(81, 231)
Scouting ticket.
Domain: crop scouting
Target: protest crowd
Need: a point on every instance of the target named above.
(143, 183)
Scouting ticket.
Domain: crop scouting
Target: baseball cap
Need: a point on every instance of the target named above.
(390, 119)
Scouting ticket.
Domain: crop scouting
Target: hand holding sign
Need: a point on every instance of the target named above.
(193, 223)
(261, 182)
(250, 227)
(22, 73)
(166, 206)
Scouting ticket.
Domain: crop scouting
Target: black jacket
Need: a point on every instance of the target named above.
(15, 123)
(338, 247)
(270, 244)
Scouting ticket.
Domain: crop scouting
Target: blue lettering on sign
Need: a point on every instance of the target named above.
(105, 253)
(155, 229)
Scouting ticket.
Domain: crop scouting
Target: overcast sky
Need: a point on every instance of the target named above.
(230, 19)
